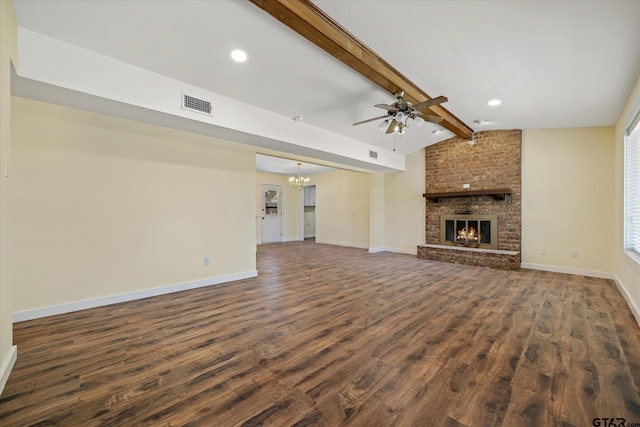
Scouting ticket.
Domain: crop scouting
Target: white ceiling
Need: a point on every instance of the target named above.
(287, 166)
(554, 64)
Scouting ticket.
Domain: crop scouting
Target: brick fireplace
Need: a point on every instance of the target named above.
(469, 183)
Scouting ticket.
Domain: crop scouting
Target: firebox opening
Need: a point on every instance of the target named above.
(469, 230)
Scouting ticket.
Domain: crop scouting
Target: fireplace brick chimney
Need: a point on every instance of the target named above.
(492, 162)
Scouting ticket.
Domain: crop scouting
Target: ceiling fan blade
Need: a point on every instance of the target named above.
(391, 108)
(392, 126)
(427, 118)
(370, 120)
(431, 102)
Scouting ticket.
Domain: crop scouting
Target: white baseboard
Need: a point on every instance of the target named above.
(576, 271)
(7, 366)
(632, 305)
(336, 243)
(36, 313)
(394, 250)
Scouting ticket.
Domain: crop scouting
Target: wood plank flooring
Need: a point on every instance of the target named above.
(332, 336)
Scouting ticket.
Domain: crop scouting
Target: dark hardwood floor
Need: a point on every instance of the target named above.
(334, 336)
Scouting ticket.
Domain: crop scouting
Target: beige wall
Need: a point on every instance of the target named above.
(104, 206)
(342, 208)
(376, 212)
(8, 53)
(405, 206)
(567, 204)
(626, 268)
(291, 206)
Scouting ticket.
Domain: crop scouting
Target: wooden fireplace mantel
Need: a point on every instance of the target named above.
(499, 194)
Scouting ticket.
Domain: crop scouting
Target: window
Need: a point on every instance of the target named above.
(632, 187)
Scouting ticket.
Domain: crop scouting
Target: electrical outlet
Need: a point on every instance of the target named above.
(543, 251)
(574, 254)
(206, 261)
(466, 185)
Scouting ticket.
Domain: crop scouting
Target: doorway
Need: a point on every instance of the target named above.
(309, 212)
(271, 213)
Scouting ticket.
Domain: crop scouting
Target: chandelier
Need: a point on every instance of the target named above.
(299, 182)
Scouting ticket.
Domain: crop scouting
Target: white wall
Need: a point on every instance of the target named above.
(568, 199)
(105, 206)
(626, 268)
(405, 206)
(291, 206)
(342, 208)
(8, 54)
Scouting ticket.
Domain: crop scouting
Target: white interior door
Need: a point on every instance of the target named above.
(309, 212)
(309, 222)
(271, 213)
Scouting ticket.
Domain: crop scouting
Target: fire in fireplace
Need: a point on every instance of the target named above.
(469, 235)
(479, 231)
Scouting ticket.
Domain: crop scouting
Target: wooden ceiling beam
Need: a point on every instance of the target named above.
(312, 23)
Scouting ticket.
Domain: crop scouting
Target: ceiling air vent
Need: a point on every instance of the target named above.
(373, 154)
(198, 105)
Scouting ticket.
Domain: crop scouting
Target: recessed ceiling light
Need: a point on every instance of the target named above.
(437, 131)
(298, 118)
(480, 122)
(239, 55)
(494, 102)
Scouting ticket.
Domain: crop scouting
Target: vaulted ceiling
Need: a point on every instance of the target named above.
(554, 64)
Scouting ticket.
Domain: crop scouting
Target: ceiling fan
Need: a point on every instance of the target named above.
(399, 113)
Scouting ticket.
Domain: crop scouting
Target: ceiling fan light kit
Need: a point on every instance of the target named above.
(401, 114)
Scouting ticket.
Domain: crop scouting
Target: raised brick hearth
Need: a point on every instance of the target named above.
(503, 260)
(493, 162)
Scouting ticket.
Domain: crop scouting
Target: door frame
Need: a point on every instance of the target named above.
(302, 213)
